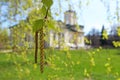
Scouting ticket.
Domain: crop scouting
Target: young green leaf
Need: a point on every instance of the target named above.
(47, 3)
(43, 10)
(51, 24)
(38, 24)
(118, 31)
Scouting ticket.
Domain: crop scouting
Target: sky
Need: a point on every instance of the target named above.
(90, 14)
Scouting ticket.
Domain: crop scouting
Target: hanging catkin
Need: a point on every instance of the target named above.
(41, 50)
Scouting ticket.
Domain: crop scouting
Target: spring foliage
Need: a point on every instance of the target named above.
(36, 21)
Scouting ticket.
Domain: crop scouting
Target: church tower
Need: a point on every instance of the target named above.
(70, 17)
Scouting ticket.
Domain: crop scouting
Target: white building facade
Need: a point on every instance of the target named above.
(71, 34)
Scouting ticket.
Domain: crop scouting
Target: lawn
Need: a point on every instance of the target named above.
(62, 65)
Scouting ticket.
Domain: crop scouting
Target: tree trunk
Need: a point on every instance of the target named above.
(36, 45)
(41, 50)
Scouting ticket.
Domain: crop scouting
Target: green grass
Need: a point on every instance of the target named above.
(21, 67)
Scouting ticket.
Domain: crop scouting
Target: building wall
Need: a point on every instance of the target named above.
(66, 38)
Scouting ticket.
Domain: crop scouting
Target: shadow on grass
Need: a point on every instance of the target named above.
(5, 64)
(118, 53)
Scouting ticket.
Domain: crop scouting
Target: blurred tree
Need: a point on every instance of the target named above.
(94, 37)
(4, 38)
(102, 37)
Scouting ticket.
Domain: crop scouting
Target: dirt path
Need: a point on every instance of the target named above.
(5, 51)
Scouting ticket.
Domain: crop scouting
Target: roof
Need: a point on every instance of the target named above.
(70, 11)
(74, 27)
(68, 25)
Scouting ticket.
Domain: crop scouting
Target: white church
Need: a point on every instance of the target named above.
(71, 34)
